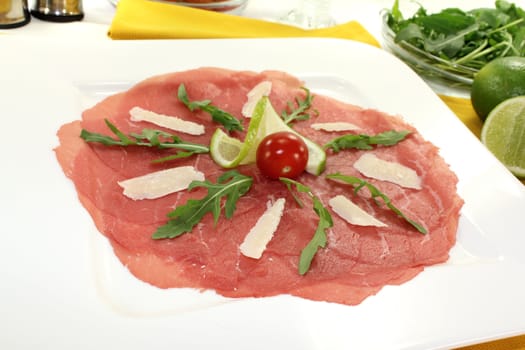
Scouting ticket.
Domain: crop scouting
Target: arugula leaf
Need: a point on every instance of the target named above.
(451, 44)
(299, 112)
(358, 184)
(411, 32)
(362, 141)
(395, 13)
(231, 185)
(218, 115)
(448, 22)
(178, 155)
(147, 138)
(319, 239)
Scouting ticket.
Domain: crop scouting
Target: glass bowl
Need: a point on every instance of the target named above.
(226, 6)
(428, 66)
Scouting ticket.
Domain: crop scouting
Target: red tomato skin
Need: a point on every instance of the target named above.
(282, 154)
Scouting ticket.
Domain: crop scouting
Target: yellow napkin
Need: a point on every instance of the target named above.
(514, 343)
(143, 19)
(462, 107)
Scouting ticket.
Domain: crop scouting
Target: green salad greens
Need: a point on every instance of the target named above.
(468, 38)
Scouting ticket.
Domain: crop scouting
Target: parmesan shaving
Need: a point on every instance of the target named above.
(370, 165)
(166, 121)
(160, 183)
(254, 95)
(346, 209)
(256, 240)
(334, 126)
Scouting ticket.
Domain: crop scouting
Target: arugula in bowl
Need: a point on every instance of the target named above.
(459, 41)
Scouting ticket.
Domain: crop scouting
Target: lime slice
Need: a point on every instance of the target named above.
(503, 133)
(225, 150)
(230, 152)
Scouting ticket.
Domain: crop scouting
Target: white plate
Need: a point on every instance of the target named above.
(62, 288)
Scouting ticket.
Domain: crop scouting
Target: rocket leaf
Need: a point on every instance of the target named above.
(218, 115)
(325, 222)
(362, 141)
(231, 185)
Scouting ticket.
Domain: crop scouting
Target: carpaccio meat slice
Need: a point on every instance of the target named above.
(357, 261)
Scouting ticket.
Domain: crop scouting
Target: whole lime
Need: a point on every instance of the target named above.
(496, 82)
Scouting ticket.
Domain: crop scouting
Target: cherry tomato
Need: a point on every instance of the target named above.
(282, 154)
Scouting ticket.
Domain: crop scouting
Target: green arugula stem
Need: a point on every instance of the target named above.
(506, 26)
(147, 138)
(218, 115)
(319, 238)
(358, 184)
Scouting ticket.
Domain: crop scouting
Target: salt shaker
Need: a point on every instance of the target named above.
(58, 10)
(13, 13)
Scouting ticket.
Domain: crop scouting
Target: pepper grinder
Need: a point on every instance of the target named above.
(13, 13)
(58, 10)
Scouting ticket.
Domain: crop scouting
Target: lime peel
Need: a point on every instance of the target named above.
(222, 146)
(499, 80)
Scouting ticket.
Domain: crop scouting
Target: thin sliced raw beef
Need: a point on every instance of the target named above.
(357, 261)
